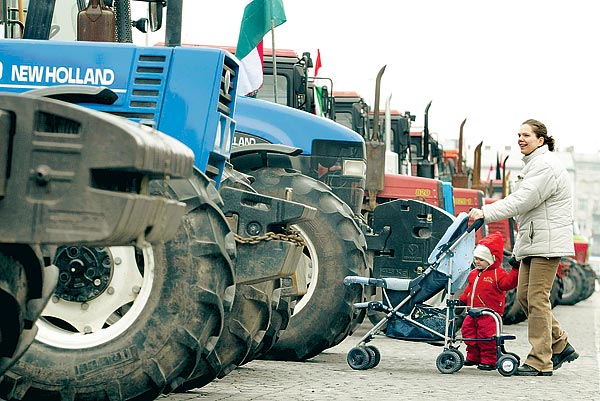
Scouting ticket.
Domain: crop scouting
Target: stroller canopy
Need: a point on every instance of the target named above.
(456, 245)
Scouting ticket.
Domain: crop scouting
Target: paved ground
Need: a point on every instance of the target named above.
(407, 371)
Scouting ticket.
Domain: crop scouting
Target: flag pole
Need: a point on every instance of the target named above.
(274, 59)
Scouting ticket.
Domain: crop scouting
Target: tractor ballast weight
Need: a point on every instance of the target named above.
(405, 234)
(264, 259)
(66, 184)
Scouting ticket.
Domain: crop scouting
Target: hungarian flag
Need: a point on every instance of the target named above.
(318, 88)
(259, 16)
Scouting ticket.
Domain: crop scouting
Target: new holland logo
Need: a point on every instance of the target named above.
(62, 75)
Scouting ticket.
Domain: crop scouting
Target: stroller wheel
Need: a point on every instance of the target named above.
(449, 361)
(359, 358)
(461, 357)
(507, 365)
(375, 356)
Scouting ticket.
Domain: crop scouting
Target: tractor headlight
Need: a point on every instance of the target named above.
(355, 168)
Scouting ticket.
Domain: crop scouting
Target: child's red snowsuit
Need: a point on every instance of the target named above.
(486, 288)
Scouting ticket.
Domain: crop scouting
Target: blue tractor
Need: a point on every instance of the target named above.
(52, 193)
(134, 322)
(285, 148)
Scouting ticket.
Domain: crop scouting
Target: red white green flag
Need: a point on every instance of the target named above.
(259, 17)
(318, 88)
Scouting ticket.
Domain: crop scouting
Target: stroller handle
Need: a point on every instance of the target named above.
(476, 225)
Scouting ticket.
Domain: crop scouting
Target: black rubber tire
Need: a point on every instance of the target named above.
(245, 325)
(359, 358)
(461, 356)
(191, 286)
(513, 313)
(248, 322)
(281, 312)
(13, 298)
(590, 281)
(325, 318)
(375, 355)
(556, 292)
(449, 361)
(572, 284)
(507, 365)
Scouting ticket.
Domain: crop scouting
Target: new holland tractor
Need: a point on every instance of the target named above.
(182, 312)
(53, 191)
(293, 149)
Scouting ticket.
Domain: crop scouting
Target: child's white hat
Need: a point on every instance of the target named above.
(483, 252)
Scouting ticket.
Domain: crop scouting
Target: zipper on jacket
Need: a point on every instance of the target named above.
(531, 232)
(474, 288)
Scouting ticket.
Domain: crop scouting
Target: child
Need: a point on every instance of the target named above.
(486, 288)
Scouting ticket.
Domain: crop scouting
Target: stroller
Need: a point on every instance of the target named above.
(409, 318)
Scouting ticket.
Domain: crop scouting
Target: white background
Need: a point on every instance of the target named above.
(496, 63)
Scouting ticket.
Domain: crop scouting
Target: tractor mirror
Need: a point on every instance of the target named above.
(325, 99)
(155, 15)
(299, 80)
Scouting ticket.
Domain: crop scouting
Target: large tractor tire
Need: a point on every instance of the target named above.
(148, 317)
(335, 249)
(245, 325)
(281, 311)
(556, 292)
(13, 292)
(573, 283)
(513, 312)
(13, 298)
(590, 281)
(252, 321)
(23, 294)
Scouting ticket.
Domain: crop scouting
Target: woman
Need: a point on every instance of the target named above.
(541, 203)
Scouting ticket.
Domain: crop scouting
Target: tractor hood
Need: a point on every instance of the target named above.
(275, 123)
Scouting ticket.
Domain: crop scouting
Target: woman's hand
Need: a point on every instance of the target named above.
(475, 214)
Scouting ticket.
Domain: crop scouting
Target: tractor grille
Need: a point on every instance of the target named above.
(227, 91)
(146, 88)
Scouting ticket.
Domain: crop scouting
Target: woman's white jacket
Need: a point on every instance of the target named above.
(542, 205)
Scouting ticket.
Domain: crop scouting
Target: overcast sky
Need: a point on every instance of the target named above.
(496, 63)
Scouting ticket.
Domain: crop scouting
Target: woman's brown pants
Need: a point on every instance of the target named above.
(533, 292)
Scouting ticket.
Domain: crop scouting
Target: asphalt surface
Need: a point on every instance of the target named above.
(408, 371)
